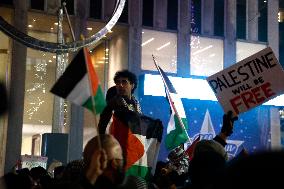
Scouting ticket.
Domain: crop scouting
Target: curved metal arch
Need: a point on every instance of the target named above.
(34, 43)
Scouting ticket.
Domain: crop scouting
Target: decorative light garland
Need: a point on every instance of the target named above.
(39, 86)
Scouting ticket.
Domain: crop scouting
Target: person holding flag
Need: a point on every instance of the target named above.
(138, 135)
(125, 84)
(80, 83)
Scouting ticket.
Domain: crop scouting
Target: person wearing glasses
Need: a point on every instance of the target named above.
(120, 99)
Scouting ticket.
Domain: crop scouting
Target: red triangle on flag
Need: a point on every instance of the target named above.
(130, 144)
(190, 149)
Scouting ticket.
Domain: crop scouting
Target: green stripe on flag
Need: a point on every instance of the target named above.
(99, 100)
(140, 171)
(177, 136)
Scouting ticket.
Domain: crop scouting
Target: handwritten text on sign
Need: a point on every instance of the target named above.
(248, 83)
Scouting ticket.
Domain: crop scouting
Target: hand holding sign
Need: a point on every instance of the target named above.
(228, 123)
(249, 83)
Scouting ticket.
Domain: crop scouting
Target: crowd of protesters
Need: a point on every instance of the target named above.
(102, 167)
(103, 163)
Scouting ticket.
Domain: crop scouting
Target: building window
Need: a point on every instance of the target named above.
(163, 45)
(245, 49)
(37, 4)
(69, 6)
(206, 56)
(262, 21)
(6, 2)
(196, 16)
(219, 17)
(100, 60)
(96, 9)
(40, 77)
(148, 8)
(241, 19)
(172, 14)
(124, 15)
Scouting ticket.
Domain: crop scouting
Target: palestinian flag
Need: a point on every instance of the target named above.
(140, 137)
(76, 86)
(190, 150)
(176, 131)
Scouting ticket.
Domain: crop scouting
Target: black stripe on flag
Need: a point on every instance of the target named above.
(141, 124)
(75, 71)
(168, 82)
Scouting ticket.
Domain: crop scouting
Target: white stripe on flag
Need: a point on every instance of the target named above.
(81, 92)
(171, 124)
(178, 104)
(150, 156)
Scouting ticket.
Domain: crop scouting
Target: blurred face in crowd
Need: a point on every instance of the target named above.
(124, 86)
(116, 163)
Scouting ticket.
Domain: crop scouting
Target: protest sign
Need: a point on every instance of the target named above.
(30, 161)
(248, 83)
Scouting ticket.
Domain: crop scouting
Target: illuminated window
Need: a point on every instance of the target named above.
(163, 45)
(281, 16)
(245, 49)
(206, 56)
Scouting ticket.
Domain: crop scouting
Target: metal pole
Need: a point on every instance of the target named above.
(58, 106)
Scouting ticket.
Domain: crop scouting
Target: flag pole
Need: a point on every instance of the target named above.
(89, 78)
(171, 102)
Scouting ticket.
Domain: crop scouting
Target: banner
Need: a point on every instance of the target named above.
(30, 161)
(248, 83)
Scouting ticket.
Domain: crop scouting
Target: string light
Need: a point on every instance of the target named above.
(38, 89)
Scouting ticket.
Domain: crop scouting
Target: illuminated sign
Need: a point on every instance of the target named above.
(190, 88)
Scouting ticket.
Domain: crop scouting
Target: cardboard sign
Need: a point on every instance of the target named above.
(29, 161)
(248, 83)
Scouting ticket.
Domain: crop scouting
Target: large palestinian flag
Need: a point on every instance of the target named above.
(140, 137)
(76, 86)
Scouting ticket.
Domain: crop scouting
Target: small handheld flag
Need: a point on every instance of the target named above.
(74, 84)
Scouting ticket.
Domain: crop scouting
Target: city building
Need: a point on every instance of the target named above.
(191, 39)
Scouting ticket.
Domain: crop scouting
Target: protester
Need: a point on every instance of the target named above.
(125, 84)
(258, 170)
(105, 167)
(219, 141)
(227, 128)
(210, 156)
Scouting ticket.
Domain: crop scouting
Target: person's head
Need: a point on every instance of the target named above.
(73, 170)
(126, 82)
(206, 168)
(115, 165)
(257, 170)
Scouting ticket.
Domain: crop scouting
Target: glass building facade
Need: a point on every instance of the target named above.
(190, 39)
